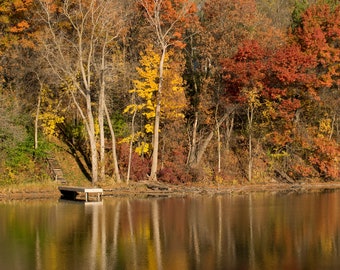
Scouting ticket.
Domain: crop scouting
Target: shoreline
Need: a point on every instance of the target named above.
(147, 189)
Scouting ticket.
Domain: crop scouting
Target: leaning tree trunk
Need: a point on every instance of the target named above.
(114, 148)
(89, 125)
(201, 150)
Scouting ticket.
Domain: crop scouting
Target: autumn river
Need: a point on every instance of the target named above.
(252, 231)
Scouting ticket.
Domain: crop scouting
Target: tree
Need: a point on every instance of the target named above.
(224, 26)
(79, 42)
(168, 20)
(318, 32)
(283, 84)
(145, 90)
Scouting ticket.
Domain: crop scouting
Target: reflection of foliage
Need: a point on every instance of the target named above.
(44, 232)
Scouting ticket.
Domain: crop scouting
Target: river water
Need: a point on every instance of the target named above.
(251, 231)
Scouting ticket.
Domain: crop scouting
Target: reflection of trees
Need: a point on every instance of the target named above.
(300, 230)
(193, 232)
(115, 230)
(93, 244)
(156, 233)
(132, 236)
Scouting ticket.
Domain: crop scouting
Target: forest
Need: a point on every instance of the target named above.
(177, 91)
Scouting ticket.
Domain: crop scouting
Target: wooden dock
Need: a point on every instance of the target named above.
(71, 193)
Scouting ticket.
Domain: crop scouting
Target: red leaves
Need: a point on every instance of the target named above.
(276, 70)
(250, 50)
(246, 68)
(291, 65)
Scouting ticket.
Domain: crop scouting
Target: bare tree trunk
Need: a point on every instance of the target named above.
(130, 147)
(93, 143)
(114, 148)
(36, 121)
(193, 148)
(230, 126)
(101, 109)
(154, 165)
(206, 142)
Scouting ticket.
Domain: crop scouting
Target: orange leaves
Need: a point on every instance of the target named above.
(179, 44)
(19, 27)
(169, 19)
(326, 157)
(22, 5)
(319, 35)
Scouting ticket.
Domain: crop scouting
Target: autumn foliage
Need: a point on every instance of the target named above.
(221, 90)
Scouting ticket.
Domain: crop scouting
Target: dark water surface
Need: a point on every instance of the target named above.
(253, 231)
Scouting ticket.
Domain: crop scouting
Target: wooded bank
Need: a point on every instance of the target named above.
(180, 91)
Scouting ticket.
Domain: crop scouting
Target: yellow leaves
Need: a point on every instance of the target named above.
(146, 88)
(325, 126)
(252, 95)
(49, 116)
(132, 108)
(172, 99)
(149, 128)
(143, 148)
(68, 86)
(50, 119)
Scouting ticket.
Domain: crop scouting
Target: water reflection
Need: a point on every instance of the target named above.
(253, 231)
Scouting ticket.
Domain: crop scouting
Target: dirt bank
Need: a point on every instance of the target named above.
(160, 189)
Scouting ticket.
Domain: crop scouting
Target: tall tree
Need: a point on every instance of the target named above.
(79, 41)
(168, 20)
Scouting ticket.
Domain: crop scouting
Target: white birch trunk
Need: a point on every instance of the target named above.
(114, 148)
(154, 165)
